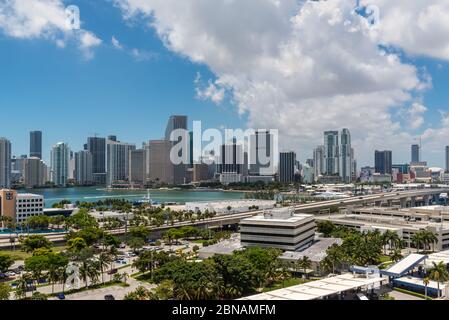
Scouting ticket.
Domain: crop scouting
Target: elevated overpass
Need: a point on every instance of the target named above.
(402, 198)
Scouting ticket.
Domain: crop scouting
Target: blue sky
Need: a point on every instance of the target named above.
(70, 96)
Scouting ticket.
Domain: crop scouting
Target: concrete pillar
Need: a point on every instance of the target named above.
(403, 202)
(413, 202)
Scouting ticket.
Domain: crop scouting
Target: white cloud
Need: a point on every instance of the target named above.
(116, 43)
(46, 19)
(418, 27)
(212, 91)
(415, 115)
(142, 55)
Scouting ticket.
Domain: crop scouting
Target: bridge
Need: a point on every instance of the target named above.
(404, 199)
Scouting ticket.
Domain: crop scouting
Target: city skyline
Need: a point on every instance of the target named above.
(125, 77)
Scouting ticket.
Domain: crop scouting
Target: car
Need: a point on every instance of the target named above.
(122, 246)
(21, 268)
(2, 275)
(61, 296)
(10, 274)
(113, 271)
(109, 297)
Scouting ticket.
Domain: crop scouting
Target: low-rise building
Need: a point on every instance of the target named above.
(20, 206)
(316, 252)
(405, 222)
(281, 229)
(231, 206)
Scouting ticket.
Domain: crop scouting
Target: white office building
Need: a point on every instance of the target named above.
(279, 228)
(28, 205)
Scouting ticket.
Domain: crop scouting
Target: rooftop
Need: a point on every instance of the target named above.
(321, 288)
(224, 247)
(279, 215)
(316, 252)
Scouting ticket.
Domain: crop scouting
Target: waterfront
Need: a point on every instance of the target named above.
(92, 194)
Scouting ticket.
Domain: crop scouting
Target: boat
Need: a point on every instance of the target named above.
(145, 200)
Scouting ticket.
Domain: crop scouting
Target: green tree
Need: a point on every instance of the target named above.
(304, 264)
(33, 242)
(5, 291)
(82, 220)
(439, 273)
(6, 262)
(76, 244)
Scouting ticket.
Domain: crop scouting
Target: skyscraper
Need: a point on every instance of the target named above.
(60, 164)
(383, 163)
(447, 158)
(231, 163)
(175, 122)
(137, 167)
(36, 144)
(318, 162)
(83, 168)
(287, 162)
(97, 147)
(260, 156)
(161, 170)
(179, 122)
(5, 163)
(346, 156)
(416, 153)
(331, 153)
(35, 173)
(118, 161)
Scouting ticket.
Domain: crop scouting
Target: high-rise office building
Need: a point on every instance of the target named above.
(318, 162)
(447, 158)
(331, 153)
(60, 155)
(161, 169)
(5, 163)
(346, 156)
(261, 157)
(117, 170)
(137, 167)
(416, 150)
(383, 162)
(174, 123)
(36, 144)
(83, 168)
(97, 147)
(35, 173)
(287, 162)
(231, 163)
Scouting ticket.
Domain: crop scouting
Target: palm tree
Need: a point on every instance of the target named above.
(396, 255)
(426, 282)
(431, 239)
(417, 240)
(94, 272)
(304, 264)
(104, 260)
(439, 273)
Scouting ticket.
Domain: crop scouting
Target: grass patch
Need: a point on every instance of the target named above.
(92, 287)
(415, 294)
(19, 255)
(284, 284)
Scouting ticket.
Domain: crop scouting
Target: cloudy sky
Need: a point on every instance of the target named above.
(377, 67)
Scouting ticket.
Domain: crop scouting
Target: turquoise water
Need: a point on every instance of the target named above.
(92, 194)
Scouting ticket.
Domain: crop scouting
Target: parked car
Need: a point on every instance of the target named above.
(109, 297)
(113, 271)
(10, 274)
(122, 246)
(61, 296)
